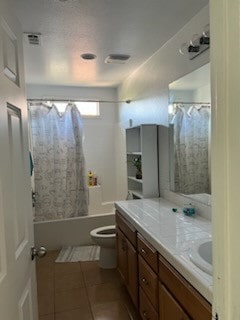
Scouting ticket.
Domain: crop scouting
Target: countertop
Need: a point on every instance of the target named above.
(172, 234)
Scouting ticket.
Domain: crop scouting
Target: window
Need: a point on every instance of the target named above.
(87, 109)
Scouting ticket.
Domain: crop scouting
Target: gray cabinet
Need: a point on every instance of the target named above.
(141, 143)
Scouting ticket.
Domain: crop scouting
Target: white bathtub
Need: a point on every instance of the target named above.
(55, 234)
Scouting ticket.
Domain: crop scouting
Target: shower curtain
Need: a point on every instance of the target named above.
(191, 140)
(59, 171)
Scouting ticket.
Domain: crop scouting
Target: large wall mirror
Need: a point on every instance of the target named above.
(189, 123)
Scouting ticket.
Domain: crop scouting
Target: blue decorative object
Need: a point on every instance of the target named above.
(189, 210)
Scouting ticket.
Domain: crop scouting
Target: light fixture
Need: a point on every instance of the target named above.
(197, 44)
(117, 58)
(184, 48)
(205, 38)
(194, 44)
(88, 56)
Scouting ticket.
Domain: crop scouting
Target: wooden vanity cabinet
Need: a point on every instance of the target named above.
(127, 256)
(157, 289)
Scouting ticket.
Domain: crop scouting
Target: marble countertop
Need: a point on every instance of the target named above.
(172, 234)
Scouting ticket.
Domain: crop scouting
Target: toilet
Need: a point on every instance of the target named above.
(105, 237)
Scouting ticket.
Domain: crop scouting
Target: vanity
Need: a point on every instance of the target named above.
(153, 245)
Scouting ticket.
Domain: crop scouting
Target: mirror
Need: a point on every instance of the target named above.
(189, 127)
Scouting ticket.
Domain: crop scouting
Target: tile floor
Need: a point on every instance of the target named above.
(80, 291)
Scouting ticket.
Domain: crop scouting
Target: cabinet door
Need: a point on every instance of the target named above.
(188, 297)
(169, 308)
(122, 255)
(132, 283)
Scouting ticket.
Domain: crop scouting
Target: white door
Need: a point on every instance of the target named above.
(18, 298)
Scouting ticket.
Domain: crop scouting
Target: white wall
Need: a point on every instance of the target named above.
(203, 94)
(181, 95)
(148, 88)
(99, 133)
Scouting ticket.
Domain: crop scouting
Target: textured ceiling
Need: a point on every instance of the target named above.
(103, 27)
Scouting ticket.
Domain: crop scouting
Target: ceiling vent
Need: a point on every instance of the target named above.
(88, 56)
(117, 58)
(33, 38)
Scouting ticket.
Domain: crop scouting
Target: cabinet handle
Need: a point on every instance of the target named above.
(145, 314)
(144, 280)
(143, 251)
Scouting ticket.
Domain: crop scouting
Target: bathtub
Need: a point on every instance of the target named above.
(54, 234)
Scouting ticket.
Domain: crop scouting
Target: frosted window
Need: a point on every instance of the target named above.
(87, 109)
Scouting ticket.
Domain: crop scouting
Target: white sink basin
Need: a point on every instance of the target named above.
(201, 255)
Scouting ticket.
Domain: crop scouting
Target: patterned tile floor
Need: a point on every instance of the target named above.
(80, 291)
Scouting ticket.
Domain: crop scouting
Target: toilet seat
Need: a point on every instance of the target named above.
(100, 232)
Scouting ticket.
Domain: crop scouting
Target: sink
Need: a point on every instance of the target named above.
(201, 255)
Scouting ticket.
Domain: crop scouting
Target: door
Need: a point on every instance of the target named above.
(18, 298)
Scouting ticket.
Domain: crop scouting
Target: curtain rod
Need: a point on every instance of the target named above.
(182, 102)
(77, 100)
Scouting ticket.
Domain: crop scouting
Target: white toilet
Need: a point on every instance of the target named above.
(105, 237)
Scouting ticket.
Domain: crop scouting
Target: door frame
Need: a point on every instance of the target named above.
(225, 79)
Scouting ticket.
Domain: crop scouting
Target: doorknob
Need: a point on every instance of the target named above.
(39, 252)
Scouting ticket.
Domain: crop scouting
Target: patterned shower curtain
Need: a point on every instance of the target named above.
(191, 146)
(59, 171)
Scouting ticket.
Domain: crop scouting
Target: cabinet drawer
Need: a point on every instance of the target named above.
(147, 311)
(188, 297)
(127, 229)
(148, 252)
(148, 281)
